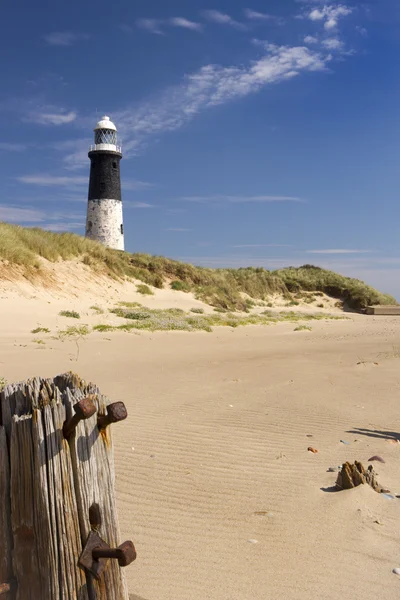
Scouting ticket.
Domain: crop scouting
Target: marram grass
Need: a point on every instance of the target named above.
(221, 288)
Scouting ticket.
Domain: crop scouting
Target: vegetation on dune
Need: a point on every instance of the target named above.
(72, 314)
(355, 293)
(224, 289)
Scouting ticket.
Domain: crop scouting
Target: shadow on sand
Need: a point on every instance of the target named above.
(375, 433)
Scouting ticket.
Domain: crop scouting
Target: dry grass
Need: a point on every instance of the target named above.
(222, 288)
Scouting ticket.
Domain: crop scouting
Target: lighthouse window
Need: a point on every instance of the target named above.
(114, 165)
(122, 228)
(105, 136)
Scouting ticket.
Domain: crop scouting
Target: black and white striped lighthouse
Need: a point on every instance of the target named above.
(104, 221)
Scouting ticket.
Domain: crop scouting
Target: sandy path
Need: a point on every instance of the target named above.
(218, 432)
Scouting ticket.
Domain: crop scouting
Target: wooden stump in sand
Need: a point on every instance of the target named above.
(54, 492)
(353, 475)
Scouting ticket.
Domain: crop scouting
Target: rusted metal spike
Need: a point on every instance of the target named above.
(8, 587)
(115, 412)
(125, 553)
(95, 517)
(83, 410)
(4, 588)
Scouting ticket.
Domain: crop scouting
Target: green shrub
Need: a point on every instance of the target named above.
(199, 311)
(303, 328)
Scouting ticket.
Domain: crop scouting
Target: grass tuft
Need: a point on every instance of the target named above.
(198, 311)
(97, 310)
(303, 328)
(70, 313)
(144, 289)
(40, 330)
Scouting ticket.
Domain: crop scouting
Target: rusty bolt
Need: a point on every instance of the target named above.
(115, 412)
(83, 410)
(4, 588)
(125, 553)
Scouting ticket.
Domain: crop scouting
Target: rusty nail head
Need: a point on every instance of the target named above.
(7, 587)
(83, 410)
(95, 516)
(125, 553)
(115, 412)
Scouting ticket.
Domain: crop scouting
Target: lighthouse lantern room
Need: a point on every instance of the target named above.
(104, 221)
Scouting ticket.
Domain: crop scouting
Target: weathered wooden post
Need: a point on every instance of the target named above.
(59, 530)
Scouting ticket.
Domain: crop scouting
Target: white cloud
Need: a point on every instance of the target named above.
(222, 18)
(51, 118)
(333, 44)
(338, 251)
(151, 25)
(310, 39)
(255, 15)
(330, 14)
(51, 180)
(214, 85)
(65, 38)
(185, 23)
(241, 199)
(11, 147)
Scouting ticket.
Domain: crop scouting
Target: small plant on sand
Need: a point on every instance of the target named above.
(292, 303)
(37, 341)
(144, 289)
(75, 334)
(303, 328)
(269, 304)
(70, 313)
(3, 383)
(40, 330)
(103, 328)
(321, 305)
(198, 311)
(180, 286)
(97, 310)
(130, 304)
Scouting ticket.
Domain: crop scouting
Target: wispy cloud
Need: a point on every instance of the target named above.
(222, 18)
(185, 23)
(151, 25)
(330, 14)
(240, 199)
(131, 204)
(338, 251)
(11, 147)
(135, 184)
(254, 15)
(60, 227)
(214, 85)
(52, 180)
(60, 117)
(310, 39)
(65, 38)
(16, 214)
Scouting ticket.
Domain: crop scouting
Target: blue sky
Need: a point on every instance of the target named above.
(254, 132)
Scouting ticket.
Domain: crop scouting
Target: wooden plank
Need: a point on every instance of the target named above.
(93, 461)
(45, 524)
(6, 571)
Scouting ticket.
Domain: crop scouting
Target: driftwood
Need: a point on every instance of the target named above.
(353, 475)
(50, 488)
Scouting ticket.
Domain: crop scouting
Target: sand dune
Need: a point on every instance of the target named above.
(214, 481)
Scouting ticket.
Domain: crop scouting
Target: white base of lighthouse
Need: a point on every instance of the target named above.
(104, 222)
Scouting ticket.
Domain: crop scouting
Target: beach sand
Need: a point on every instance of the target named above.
(215, 485)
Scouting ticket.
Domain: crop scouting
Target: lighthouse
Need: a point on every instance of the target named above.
(104, 221)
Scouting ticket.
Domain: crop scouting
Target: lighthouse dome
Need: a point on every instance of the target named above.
(105, 123)
(105, 136)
